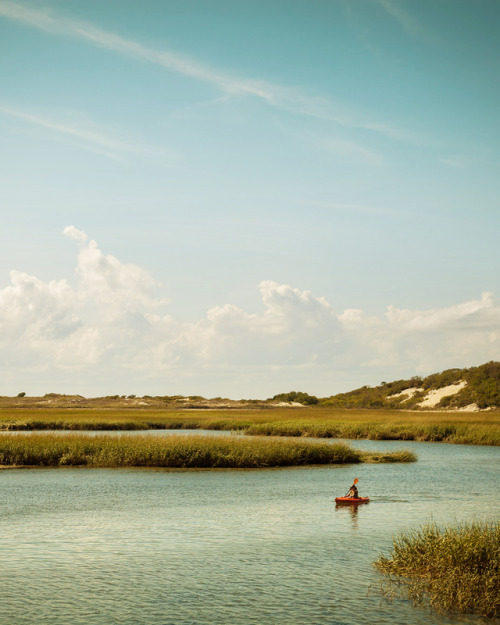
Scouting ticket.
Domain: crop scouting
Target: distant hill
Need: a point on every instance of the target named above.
(477, 388)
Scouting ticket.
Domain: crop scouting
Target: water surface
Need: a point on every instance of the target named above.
(160, 547)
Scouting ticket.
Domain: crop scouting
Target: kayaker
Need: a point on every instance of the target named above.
(353, 492)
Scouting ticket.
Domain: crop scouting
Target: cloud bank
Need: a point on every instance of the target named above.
(112, 329)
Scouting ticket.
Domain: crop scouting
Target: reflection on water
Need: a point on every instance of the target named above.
(351, 510)
(266, 547)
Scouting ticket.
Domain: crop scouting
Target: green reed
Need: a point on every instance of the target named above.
(457, 569)
(430, 432)
(470, 428)
(192, 451)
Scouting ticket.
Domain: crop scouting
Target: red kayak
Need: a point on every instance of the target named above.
(352, 500)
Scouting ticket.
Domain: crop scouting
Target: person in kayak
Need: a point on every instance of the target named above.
(353, 492)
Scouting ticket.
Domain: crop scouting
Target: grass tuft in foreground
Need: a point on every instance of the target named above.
(456, 568)
(178, 451)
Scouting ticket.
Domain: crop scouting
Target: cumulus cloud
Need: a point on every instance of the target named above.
(429, 339)
(457, 316)
(75, 234)
(288, 332)
(34, 308)
(109, 284)
(114, 325)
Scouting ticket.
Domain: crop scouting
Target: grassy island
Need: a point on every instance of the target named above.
(192, 451)
(456, 568)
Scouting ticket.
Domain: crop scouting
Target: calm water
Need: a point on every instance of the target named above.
(156, 547)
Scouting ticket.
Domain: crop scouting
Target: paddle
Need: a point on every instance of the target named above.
(355, 482)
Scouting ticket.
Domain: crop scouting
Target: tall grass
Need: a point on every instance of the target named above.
(465, 428)
(456, 568)
(430, 432)
(177, 451)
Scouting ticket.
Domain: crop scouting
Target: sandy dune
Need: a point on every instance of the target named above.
(434, 397)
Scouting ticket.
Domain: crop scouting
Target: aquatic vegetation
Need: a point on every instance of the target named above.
(403, 455)
(193, 451)
(457, 569)
(458, 427)
(460, 433)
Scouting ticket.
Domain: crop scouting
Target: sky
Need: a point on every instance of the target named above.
(238, 198)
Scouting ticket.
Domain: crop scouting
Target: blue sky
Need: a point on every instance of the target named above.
(241, 198)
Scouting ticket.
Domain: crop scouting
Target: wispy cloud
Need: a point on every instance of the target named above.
(94, 139)
(408, 22)
(175, 62)
(353, 208)
(351, 150)
(457, 162)
(286, 98)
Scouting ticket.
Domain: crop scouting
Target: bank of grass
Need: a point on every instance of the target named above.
(430, 432)
(457, 569)
(458, 427)
(192, 451)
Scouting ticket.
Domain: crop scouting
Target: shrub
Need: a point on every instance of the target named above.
(439, 380)
(297, 396)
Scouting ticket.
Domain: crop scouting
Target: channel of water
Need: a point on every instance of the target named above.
(235, 547)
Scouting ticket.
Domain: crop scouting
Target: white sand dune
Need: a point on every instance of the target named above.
(435, 396)
(407, 393)
(289, 404)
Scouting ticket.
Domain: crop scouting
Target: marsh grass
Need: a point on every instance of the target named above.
(430, 432)
(193, 451)
(463, 428)
(457, 569)
(402, 455)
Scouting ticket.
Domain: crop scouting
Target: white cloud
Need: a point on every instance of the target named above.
(112, 327)
(37, 309)
(114, 287)
(458, 316)
(429, 340)
(75, 234)
(36, 318)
